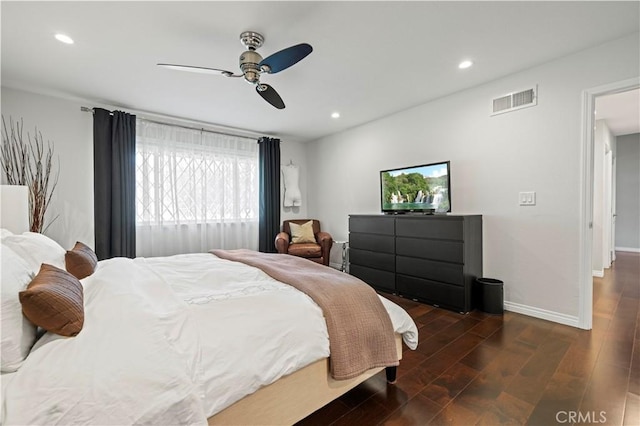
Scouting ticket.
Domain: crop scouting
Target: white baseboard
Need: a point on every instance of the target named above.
(598, 274)
(542, 314)
(630, 249)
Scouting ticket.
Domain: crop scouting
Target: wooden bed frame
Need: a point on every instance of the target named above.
(294, 397)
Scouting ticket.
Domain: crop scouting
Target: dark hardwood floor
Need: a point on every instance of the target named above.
(511, 369)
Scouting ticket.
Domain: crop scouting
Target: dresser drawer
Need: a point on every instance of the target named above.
(439, 228)
(444, 295)
(376, 278)
(372, 242)
(372, 225)
(447, 251)
(372, 259)
(437, 271)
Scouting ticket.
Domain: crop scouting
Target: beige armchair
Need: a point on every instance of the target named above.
(318, 250)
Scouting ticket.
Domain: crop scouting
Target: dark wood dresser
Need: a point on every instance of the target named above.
(429, 258)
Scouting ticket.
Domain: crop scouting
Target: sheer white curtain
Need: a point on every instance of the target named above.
(195, 190)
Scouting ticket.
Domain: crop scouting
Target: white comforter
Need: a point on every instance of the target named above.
(171, 340)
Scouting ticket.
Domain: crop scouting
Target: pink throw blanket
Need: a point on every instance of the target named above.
(361, 335)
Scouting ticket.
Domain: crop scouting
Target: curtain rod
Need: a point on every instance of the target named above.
(202, 129)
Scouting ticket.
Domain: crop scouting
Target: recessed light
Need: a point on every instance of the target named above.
(465, 64)
(64, 38)
(335, 115)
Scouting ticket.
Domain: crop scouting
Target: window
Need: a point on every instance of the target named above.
(195, 190)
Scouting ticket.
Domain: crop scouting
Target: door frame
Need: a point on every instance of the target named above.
(608, 208)
(614, 189)
(585, 290)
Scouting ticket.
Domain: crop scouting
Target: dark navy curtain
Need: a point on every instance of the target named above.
(269, 209)
(114, 165)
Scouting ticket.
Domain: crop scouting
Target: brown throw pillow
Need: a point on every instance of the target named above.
(81, 261)
(302, 233)
(54, 301)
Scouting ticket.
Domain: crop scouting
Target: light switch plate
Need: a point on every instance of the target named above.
(527, 198)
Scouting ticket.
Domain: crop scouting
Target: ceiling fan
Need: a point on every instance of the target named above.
(252, 65)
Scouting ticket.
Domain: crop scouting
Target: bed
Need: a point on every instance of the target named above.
(186, 339)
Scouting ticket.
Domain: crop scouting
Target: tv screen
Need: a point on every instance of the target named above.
(422, 189)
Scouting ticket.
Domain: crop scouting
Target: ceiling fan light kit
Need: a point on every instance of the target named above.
(253, 65)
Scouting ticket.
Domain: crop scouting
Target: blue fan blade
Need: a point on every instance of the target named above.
(285, 58)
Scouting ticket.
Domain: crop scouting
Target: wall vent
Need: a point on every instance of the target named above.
(514, 101)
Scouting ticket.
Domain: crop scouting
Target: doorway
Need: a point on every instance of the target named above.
(587, 216)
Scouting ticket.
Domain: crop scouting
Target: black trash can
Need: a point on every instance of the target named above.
(489, 295)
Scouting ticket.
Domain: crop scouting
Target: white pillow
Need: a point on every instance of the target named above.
(36, 249)
(5, 232)
(18, 333)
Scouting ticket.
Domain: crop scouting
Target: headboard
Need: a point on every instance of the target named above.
(14, 208)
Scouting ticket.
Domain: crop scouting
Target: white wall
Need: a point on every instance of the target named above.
(70, 131)
(533, 249)
(628, 193)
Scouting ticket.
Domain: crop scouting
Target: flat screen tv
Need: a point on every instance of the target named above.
(418, 189)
